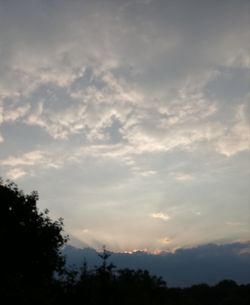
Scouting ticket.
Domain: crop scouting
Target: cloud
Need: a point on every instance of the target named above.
(183, 176)
(235, 224)
(30, 158)
(161, 216)
(182, 268)
(128, 102)
(165, 240)
(30, 162)
(240, 59)
(70, 90)
(14, 112)
(85, 230)
(198, 213)
(237, 138)
(147, 173)
(15, 173)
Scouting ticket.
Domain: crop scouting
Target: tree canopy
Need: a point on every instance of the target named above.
(29, 239)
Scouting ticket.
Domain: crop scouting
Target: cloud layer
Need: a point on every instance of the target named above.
(127, 97)
(208, 263)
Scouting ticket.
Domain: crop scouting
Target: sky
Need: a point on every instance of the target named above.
(130, 118)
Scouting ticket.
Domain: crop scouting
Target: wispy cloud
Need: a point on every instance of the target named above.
(14, 112)
(165, 240)
(237, 137)
(160, 215)
(197, 213)
(81, 95)
(148, 173)
(235, 224)
(15, 173)
(29, 158)
(18, 166)
(183, 177)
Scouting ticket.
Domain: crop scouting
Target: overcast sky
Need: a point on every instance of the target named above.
(131, 118)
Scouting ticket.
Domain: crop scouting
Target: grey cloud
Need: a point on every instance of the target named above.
(209, 263)
(62, 63)
(135, 35)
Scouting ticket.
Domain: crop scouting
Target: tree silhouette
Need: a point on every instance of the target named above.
(105, 269)
(29, 239)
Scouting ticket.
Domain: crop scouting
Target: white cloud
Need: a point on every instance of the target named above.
(240, 59)
(148, 173)
(160, 215)
(197, 213)
(165, 240)
(12, 114)
(183, 177)
(15, 173)
(235, 224)
(237, 137)
(30, 158)
(85, 231)
(33, 161)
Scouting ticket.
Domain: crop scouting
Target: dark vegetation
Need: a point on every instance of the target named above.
(33, 269)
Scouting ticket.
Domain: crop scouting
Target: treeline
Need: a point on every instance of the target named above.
(106, 285)
(33, 269)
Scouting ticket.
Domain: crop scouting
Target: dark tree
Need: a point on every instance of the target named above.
(30, 241)
(105, 269)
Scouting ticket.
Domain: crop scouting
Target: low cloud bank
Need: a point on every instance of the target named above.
(209, 263)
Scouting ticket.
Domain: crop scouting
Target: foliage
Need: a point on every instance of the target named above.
(30, 241)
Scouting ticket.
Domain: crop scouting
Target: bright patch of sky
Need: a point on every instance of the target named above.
(131, 118)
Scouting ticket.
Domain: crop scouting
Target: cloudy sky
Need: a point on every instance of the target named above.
(131, 118)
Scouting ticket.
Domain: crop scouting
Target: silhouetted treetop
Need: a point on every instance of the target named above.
(29, 239)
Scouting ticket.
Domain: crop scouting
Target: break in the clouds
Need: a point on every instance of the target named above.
(114, 110)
